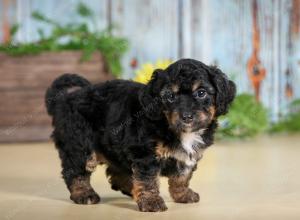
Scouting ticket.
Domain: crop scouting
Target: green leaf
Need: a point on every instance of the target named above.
(14, 30)
(39, 17)
(84, 11)
(41, 33)
(291, 122)
(246, 118)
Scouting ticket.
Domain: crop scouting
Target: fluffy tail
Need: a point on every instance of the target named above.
(60, 87)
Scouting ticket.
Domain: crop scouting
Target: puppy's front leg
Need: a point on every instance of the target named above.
(145, 189)
(179, 187)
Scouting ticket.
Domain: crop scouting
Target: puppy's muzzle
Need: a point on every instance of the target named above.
(187, 117)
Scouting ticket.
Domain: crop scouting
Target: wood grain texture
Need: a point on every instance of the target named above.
(25, 133)
(31, 72)
(222, 36)
(151, 27)
(24, 81)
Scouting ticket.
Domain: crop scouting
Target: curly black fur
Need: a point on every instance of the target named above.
(125, 121)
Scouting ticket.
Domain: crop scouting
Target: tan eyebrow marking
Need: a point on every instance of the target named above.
(196, 86)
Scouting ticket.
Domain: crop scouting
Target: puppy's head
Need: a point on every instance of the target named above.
(189, 94)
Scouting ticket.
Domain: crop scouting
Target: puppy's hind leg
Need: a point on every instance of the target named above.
(119, 180)
(74, 144)
(76, 172)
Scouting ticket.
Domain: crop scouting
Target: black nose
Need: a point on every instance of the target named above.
(187, 117)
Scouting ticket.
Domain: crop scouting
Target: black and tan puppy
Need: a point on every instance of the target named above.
(139, 131)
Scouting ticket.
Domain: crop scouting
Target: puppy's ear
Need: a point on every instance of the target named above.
(225, 90)
(150, 96)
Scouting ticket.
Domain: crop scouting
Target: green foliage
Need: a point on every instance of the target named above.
(14, 29)
(84, 11)
(73, 36)
(39, 17)
(246, 118)
(291, 122)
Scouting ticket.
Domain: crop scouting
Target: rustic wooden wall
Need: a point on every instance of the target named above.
(214, 31)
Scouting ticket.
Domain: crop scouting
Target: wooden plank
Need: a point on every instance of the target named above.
(184, 29)
(201, 32)
(7, 18)
(25, 133)
(294, 58)
(39, 71)
(15, 121)
(223, 38)
(25, 33)
(150, 26)
(21, 101)
(273, 21)
(1, 20)
(24, 81)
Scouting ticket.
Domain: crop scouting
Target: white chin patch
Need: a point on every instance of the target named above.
(191, 140)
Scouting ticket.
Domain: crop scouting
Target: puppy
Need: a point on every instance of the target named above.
(139, 131)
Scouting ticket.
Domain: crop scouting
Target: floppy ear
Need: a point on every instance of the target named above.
(225, 90)
(150, 96)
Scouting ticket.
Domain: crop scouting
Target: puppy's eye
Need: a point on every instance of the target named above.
(170, 97)
(200, 94)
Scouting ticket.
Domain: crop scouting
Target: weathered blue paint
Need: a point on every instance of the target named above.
(214, 31)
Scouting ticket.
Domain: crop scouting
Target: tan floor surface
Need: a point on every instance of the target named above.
(257, 179)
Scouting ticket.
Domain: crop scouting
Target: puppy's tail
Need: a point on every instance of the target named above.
(61, 86)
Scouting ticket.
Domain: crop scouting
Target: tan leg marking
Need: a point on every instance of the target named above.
(146, 194)
(94, 160)
(91, 163)
(163, 151)
(180, 191)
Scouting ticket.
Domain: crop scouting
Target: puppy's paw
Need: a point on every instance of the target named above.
(151, 204)
(85, 197)
(188, 197)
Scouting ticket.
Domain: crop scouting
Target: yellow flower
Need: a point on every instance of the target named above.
(143, 75)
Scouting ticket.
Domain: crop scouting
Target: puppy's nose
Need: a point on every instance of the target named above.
(187, 117)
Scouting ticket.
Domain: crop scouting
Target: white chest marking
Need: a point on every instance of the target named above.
(190, 152)
(191, 140)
